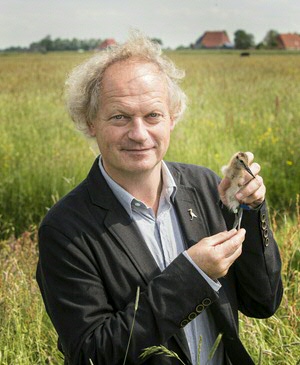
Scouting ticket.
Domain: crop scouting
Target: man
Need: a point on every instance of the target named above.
(137, 221)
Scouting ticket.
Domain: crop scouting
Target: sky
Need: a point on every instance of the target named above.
(175, 22)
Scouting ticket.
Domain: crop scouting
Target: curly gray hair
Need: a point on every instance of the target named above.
(83, 86)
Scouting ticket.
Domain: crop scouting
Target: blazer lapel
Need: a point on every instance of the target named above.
(190, 215)
(127, 234)
(119, 224)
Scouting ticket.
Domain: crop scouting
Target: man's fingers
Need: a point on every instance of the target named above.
(221, 237)
(234, 244)
(247, 177)
(256, 198)
(215, 254)
(250, 157)
(252, 193)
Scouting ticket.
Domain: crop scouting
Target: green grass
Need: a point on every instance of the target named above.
(26, 335)
(278, 338)
(234, 104)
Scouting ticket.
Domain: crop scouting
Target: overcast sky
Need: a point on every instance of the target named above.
(175, 22)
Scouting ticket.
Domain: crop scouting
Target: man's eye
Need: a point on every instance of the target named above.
(154, 115)
(119, 116)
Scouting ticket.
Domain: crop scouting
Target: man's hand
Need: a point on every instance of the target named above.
(252, 191)
(215, 254)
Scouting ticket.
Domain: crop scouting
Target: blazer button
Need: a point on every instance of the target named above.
(199, 308)
(264, 225)
(266, 233)
(184, 323)
(192, 316)
(267, 241)
(263, 217)
(206, 302)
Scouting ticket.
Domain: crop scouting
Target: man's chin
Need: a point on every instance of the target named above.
(140, 166)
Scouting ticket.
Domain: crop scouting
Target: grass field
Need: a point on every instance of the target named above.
(235, 104)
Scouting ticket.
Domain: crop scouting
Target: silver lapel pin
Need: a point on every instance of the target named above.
(192, 214)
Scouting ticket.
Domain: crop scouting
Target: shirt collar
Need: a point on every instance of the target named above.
(168, 193)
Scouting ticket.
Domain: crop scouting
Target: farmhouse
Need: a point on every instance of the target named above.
(218, 39)
(288, 41)
(107, 43)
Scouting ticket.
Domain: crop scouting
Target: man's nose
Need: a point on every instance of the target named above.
(138, 131)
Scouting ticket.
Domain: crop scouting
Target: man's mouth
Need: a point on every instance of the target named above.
(144, 149)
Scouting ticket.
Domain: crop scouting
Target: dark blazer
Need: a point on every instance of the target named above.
(93, 258)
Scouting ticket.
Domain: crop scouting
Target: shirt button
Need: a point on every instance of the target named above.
(137, 204)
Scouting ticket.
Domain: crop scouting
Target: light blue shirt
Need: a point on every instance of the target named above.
(164, 239)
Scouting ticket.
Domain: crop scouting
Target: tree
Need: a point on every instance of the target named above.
(243, 40)
(47, 43)
(270, 40)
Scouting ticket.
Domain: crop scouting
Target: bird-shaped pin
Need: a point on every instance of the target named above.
(192, 214)
(234, 172)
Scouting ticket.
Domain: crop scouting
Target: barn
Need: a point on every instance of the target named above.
(214, 40)
(288, 41)
(107, 43)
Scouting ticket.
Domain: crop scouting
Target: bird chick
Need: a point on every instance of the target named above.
(234, 172)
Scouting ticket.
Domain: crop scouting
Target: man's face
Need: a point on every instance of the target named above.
(133, 126)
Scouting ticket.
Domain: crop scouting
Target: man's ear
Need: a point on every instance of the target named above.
(172, 122)
(92, 130)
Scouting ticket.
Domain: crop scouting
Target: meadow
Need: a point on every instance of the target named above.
(234, 103)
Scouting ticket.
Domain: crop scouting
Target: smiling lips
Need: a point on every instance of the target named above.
(145, 149)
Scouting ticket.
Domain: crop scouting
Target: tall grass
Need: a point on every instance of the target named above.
(234, 104)
(26, 335)
(41, 157)
(278, 338)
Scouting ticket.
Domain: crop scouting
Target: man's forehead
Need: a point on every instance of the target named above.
(132, 72)
(133, 67)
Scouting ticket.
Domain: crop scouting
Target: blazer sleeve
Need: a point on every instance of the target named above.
(253, 283)
(89, 325)
(258, 270)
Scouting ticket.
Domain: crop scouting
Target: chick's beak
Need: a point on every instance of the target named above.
(248, 170)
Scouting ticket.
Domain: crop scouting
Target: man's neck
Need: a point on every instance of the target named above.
(145, 186)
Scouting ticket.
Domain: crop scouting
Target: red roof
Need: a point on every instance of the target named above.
(107, 43)
(288, 41)
(213, 40)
